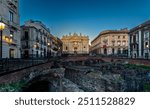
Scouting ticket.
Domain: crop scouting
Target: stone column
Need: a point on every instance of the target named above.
(140, 46)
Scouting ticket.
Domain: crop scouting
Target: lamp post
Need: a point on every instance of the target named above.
(34, 47)
(147, 47)
(49, 49)
(2, 27)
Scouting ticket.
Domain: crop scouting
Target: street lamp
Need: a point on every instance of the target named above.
(2, 27)
(147, 47)
(49, 49)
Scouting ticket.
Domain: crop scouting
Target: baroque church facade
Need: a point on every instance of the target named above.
(75, 44)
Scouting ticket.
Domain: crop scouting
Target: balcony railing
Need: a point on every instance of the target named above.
(10, 65)
(12, 2)
(14, 41)
(14, 25)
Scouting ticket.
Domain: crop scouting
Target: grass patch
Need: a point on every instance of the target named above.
(147, 87)
(133, 66)
(12, 87)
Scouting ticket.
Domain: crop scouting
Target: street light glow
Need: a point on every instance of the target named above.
(48, 44)
(147, 46)
(2, 26)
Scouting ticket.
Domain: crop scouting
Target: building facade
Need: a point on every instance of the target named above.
(56, 46)
(139, 41)
(111, 42)
(9, 15)
(75, 44)
(35, 38)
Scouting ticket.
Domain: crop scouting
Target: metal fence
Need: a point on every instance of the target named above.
(10, 65)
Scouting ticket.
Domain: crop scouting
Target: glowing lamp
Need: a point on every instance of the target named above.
(2, 26)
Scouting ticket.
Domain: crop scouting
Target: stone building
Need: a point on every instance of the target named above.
(56, 46)
(75, 44)
(9, 15)
(111, 42)
(34, 39)
(139, 41)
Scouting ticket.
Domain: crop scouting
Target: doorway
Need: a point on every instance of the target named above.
(11, 53)
(26, 54)
(75, 50)
(105, 51)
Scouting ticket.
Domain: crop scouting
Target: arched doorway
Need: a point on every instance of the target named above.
(113, 51)
(75, 50)
(26, 54)
(105, 51)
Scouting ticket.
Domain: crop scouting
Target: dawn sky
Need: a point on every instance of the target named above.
(88, 17)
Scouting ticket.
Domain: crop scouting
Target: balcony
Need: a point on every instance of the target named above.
(12, 3)
(9, 40)
(55, 49)
(14, 41)
(14, 25)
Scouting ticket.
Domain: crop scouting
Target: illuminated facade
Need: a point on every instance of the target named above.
(9, 15)
(75, 44)
(111, 42)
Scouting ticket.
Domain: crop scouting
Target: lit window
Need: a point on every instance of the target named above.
(146, 45)
(11, 34)
(119, 43)
(124, 43)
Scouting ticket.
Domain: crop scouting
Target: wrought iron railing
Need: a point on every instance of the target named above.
(10, 65)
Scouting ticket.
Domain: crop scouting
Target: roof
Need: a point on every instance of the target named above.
(111, 32)
(140, 26)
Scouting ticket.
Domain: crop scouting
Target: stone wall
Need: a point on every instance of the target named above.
(107, 77)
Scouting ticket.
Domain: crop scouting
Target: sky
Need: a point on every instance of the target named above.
(88, 17)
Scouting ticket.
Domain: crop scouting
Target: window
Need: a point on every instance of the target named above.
(118, 37)
(134, 39)
(146, 45)
(119, 51)
(11, 16)
(124, 43)
(113, 51)
(146, 34)
(66, 48)
(124, 37)
(124, 51)
(113, 42)
(119, 43)
(26, 35)
(11, 34)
